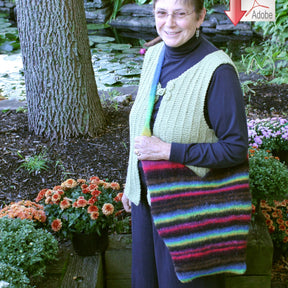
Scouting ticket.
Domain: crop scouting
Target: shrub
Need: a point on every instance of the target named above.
(25, 248)
(268, 176)
(12, 277)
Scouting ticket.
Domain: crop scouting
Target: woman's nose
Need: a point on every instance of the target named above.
(170, 20)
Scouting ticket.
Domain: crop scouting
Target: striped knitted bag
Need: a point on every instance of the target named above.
(204, 222)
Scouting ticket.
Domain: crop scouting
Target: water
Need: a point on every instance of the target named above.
(113, 65)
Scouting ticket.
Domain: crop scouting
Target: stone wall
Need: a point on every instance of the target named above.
(97, 11)
(140, 18)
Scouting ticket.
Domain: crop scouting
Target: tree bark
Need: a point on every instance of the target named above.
(61, 89)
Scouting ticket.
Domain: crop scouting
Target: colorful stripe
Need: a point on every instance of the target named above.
(146, 130)
(204, 222)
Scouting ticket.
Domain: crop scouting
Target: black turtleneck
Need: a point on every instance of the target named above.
(225, 111)
(178, 59)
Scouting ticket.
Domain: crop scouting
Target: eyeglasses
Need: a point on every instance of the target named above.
(179, 14)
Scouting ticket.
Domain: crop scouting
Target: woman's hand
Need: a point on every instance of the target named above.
(126, 203)
(151, 148)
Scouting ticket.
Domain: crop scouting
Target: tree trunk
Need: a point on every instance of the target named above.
(61, 90)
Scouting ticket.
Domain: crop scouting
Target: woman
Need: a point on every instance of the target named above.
(198, 119)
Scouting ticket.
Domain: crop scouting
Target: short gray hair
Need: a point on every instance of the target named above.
(197, 4)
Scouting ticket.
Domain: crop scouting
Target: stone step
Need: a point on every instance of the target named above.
(83, 272)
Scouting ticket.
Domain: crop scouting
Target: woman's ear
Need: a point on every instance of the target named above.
(201, 17)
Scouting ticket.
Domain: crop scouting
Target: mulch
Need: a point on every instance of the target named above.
(104, 156)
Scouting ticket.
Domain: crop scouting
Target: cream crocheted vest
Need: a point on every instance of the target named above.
(180, 117)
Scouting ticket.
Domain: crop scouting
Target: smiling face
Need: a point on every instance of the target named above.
(176, 22)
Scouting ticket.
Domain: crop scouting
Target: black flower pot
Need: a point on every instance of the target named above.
(89, 244)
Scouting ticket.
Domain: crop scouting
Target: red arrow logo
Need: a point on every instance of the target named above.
(235, 13)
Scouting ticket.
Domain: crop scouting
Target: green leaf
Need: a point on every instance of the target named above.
(101, 39)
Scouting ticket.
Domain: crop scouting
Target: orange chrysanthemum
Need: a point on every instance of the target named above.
(81, 202)
(107, 209)
(94, 215)
(48, 200)
(56, 225)
(271, 229)
(86, 191)
(92, 209)
(115, 185)
(56, 197)
(65, 203)
(40, 216)
(119, 196)
(49, 193)
(280, 221)
(41, 195)
(101, 182)
(95, 193)
(92, 200)
(94, 180)
(92, 187)
(282, 227)
(269, 222)
(69, 184)
(84, 186)
(106, 185)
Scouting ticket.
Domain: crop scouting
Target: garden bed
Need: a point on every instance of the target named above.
(105, 156)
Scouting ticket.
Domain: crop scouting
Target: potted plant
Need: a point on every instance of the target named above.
(268, 181)
(270, 134)
(83, 210)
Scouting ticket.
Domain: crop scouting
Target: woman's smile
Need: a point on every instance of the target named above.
(176, 23)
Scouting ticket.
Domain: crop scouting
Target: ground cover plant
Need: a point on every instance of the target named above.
(27, 255)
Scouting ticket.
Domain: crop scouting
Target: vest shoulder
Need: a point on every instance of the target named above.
(154, 49)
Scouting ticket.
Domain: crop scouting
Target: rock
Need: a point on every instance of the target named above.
(137, 10)
(123, 99)
(243, 26)
(135, 17)
(248, 33)
(252, 76)
(206, 30)
(98, 16)
(208, 24)
(133, 23)
(96, 4)
(225, 28)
